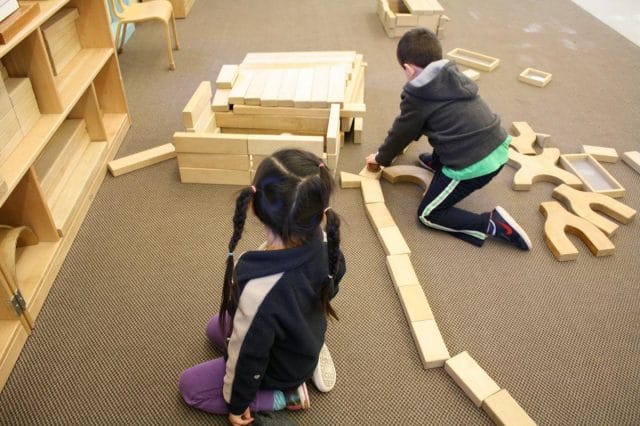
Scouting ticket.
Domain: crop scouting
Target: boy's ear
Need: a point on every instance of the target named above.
(410, 71)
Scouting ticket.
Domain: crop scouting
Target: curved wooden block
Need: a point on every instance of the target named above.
(585, 204)
(10, 238)
(559, 221)
(412, 174)
(523, 137)
(539, 168)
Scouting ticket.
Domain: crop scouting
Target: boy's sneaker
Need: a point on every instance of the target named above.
(504, 227)
(298, 399)
(426, 162)
(324, 376)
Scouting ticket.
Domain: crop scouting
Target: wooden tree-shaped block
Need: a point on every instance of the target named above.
(560, 221)
(539, 168)
(523, 138)
(585, 205)
(411, 174)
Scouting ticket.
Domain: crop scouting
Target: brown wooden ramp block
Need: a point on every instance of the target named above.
(523, 137)
(505, 411)
(585, 204)
(411, 174)
(558, 221)
(142, 159)
(539, 168)
(431, 347)
(472, 379)
(401, 270)
(349, 180)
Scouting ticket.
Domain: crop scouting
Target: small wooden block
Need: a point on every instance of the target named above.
(472, 74)
(358, 123)
(198, 108)
(392, 240)
(349, 180)
(304, 89)
(353, 110)
(535, 77)
(415, 304)
(505, 411)
(268, 144)
(538, 168)
(542, 139)
(287, 91)
(12, 24)
(240, 87)
(333, 130)
(594, 177)
(473, 59)
(371, 191)
(215, 176)
(220, 102)
(472, 379)
(371, 175)
(269, 96)
(632, 159)
(214, 161)
(559, 221)
(601, 153)
(430, 344)
(401, 270)
(227, 76)
(406, 20)
(210, 143)
(142, 159)
(256, 88)
(379, 215)
(337, 84)
(523, 137)
(320, 88)
(412, 174)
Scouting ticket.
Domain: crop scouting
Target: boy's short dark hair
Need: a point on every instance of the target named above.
(419, 47)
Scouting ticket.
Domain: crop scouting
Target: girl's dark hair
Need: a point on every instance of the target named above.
(290, 192)
(420, 47)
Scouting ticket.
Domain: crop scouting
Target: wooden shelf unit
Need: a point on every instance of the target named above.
(87, 90)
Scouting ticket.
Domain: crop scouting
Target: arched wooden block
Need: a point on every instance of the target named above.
(523, 137)
(585, 204)
(10, 238)
(412, 174)
(539, 168)
(559, 221)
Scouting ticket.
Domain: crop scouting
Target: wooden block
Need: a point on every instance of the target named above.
(505, 411)
(523, 137)
(254, 92)
(535, 77)
(632, 159)
(268, 144)
(5, 100)
(10, 134)
(472, 74)
(542, 139)
(210, 143)
(214, 161)
(594, 177)
(368, 174)
(415, 304)
(424, 7)
(585, 204)
(198, 109)
(601, 153)
(16, 21)
(215, 176)
(349, 180)
(291, 124)
(320, 87)
(538, 168)
(278, 112)
(256, 160)
(406, 20)
(559, 221)
(337, 84)
(392, 240)
(353, 110)
(357, 130)
(379, 216)
(272, 88)
(24, 102)
(430, 344)
(142, 159)
(404, 173)
(287, 91)
(473, 59)
(227, 76)
(401, 270)
(220, 102)
(371, 191)
(304, 89)
(333, 130)
(472, 379)
(332, 161)
(240, 87)
(61, 38)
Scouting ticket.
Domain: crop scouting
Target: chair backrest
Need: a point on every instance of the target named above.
(117, 7)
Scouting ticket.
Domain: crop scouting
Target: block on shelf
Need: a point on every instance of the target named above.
(61, 38)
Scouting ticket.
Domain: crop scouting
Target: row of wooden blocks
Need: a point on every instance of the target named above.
(18, 113)
(61, 38)
(397, 18)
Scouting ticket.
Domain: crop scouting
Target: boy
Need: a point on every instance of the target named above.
(469, 146)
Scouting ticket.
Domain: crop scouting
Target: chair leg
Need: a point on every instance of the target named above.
(175, 31)
(172, 64)
(123, 38)
(118, 36)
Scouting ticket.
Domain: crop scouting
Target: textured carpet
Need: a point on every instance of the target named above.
(127, 312)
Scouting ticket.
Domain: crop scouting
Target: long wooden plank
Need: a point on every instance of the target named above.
(269, 96)
(142, 159)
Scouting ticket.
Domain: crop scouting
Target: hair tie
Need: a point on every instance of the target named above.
(326, 210)
(230, 254)
(330, 277)
(321, 165)
(253, 188)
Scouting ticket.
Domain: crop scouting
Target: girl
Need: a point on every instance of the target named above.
(275, 302)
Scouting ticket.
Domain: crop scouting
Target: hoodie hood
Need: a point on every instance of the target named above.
(442, 81)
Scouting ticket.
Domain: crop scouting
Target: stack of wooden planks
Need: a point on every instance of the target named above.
(399, 16)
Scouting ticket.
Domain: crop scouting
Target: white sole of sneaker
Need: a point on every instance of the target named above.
(324, 376)
(512, 223)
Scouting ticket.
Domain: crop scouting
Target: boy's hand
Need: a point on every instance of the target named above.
(372, 164)
(243, 419)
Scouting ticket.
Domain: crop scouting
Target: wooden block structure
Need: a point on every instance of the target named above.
(594, 177)
(560, 221)
(632, 158)
(535, 77)
(601, 153)
(539, 168)
(399, 16)
(61, 38)
(18, 113)
(141, 159)
(473, 59)
(405, 173)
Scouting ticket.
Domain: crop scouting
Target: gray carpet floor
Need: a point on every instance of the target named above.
(128, 309)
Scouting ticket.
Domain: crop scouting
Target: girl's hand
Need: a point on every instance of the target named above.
(243, 419)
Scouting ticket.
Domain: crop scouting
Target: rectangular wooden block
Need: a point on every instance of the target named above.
(268, 144)
(424, 7)
(220, 102)
(10, 134)
(272, 88)
(337, 84)
(277, 112)
(505, 411)
(320, 88)
(227, 76)
(535, 77)
(256, 88)
(286, 124)
(13, 18)
(142, 159)
(371, 191)
(349, 180)
(304, 89)
(333, 130)
(406, 20)
(215, 176)
(210, 143)
(594, 177)
(24, 102)
(61, 38)
(392, 240)
(472, 379)
(430, 344)
(287, 91)
(240, 87)
(214, 161)
(5, 100)
(632, 158)
(401, 270)
(601, 153)
(198, 108)
(473, 59)
(379, 216)
(256, 160)
(415, 303)
(358, 124)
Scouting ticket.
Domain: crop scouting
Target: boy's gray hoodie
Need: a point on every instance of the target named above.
(443, 104)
